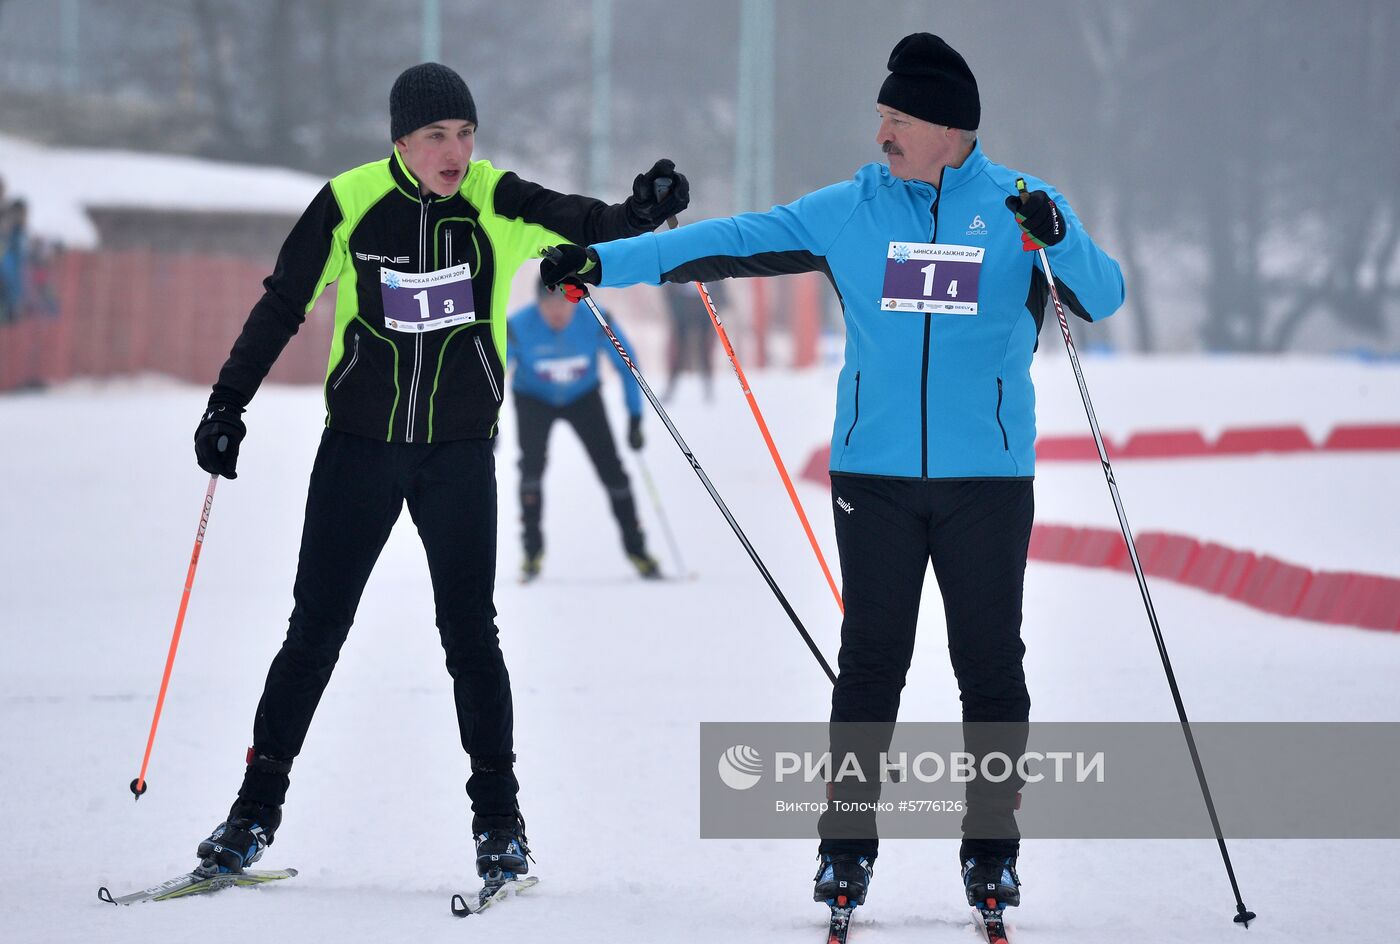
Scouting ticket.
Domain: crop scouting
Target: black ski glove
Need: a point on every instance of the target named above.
(217, 437)
(634, 433)
(570, 267)
(1042, 223)
(658, 194)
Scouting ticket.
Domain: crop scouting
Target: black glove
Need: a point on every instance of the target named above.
(657, 194)
(634, 433)
(217, 437)
(571, 267)
(1042, 223)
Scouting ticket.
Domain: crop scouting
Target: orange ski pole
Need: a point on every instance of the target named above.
(138, 786)
(763, 428)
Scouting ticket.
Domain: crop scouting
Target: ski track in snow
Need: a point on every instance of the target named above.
(612, 676)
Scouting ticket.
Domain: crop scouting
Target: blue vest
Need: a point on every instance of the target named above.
(922, 393)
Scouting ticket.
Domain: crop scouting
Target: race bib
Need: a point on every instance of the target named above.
(562, 370)
(427, 301)
(932, 277)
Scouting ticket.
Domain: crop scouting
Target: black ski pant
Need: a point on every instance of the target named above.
(976, 533)
(534, 418)
(358, 487)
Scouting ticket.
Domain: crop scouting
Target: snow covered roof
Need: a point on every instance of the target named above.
(59, 184)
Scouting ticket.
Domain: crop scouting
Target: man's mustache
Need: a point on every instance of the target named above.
(889, 148)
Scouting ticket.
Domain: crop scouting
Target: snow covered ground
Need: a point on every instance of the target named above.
(98, 509)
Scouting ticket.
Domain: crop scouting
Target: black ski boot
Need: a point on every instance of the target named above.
(991, 882)
(238, 841)
(502, 854)
(842, 880)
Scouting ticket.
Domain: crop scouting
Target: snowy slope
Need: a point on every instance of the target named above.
(612, 677)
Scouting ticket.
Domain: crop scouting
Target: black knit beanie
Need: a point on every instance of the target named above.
(426, 93)
(929, 80)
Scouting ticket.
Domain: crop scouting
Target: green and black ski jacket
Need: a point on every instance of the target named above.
(430, 386)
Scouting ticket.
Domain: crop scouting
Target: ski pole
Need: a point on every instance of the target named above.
(704, 479)
(662, 185)
(1243, 915)
(661, 515)
(138, 786)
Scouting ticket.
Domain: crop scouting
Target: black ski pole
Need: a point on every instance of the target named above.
(705, 479)
(1243, 915)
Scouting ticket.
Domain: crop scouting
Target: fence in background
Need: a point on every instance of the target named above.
(122, 313)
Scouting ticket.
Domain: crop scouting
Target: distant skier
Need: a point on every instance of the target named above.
(424, 245)
(692, 336)
(932, 454)
(556, 378)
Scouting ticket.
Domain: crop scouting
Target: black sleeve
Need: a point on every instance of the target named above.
(1038, 296)
(282, 309)
(580, 220)
(714, 268)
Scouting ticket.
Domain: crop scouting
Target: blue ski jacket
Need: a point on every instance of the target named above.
(942, 307)
(558, 367)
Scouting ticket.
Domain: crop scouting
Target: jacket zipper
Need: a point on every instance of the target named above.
(857, 416)
(1005, 445)
(418, 338)
(928, 329)
(486, 366)
(355, 356)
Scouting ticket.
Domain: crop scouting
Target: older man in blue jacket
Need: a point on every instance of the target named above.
(932, 452)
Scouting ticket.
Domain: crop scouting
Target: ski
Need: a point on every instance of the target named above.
(840, 924)
(993, 926)
(196, 883)
(490, 894)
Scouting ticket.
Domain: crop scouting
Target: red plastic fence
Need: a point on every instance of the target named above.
(1266, 583)
(131, 312)
(1184, 444)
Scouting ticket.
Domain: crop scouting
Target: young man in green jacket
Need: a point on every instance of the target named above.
(423, 247)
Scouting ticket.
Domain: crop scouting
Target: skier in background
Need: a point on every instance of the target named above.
(932, 452)
(556, 378)
(423, 245)
(692, 335)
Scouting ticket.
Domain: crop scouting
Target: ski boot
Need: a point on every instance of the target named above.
(646, 566)
(502, 854)
(991, 881)
(842, 880)
(236, 843)
(530, 567)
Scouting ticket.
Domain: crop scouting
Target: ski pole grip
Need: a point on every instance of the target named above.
(663, 186)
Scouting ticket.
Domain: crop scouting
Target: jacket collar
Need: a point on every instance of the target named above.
(976, 162)
(407, 184)
(952, 177)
